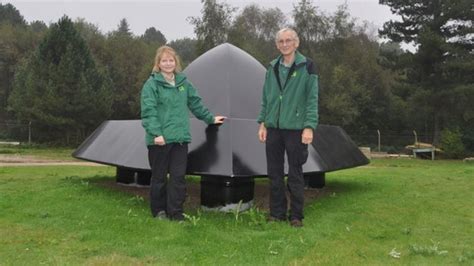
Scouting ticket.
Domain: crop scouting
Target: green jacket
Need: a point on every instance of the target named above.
(164, 109)
(294, 105)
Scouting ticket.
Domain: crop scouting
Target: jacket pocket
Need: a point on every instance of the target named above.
(299, 118)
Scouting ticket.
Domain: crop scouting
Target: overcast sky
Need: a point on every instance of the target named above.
(169, 16)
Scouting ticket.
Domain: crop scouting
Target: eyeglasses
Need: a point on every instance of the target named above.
(287, 41)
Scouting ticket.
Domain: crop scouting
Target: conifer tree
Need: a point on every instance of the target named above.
(153, 35)
(9, 14)
(59, 88)
(441, 68)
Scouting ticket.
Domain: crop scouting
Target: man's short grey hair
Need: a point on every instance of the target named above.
(295, 35)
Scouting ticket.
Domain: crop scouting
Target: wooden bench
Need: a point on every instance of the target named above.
(422, 150)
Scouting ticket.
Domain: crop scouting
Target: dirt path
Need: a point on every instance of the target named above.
(28, 160)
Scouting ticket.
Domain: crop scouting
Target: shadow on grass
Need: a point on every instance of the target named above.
(349, 186)
(109, 186)
(261, 191)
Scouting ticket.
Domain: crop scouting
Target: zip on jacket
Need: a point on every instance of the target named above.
(276, 70)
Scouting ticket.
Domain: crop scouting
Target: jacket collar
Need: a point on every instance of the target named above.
(180, 78)
(299, 59)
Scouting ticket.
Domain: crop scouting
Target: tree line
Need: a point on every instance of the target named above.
(68, 77)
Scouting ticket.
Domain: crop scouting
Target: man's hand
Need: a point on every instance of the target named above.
(307, 136)
(262, 133)
(219, 119)
(160, 141)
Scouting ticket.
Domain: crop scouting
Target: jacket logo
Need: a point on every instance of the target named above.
(293, 75)
(181, 88)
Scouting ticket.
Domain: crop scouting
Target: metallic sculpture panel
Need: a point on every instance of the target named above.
(230, 150)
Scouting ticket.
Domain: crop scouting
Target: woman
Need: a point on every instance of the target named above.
(165, 99)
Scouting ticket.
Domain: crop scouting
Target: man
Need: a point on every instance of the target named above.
(288, 117)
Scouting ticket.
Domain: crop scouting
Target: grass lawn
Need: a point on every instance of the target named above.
(37, 152)
(393, 211)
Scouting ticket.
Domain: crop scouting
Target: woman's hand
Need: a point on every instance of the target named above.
(219, 119)
(262, 133)
(160, 141)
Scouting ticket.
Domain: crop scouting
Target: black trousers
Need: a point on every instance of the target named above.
(278, 142)
(168, 194)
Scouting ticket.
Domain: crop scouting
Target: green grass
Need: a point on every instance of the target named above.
(38, 152)
(421, 210)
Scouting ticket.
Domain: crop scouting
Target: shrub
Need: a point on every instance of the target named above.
(451, 143)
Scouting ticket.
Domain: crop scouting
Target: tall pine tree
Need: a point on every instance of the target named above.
(441, 68)
(9, 14)
(153, 35)
(125, 57)
(59, 88)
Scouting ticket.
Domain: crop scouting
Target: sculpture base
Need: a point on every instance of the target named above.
(227, 194)
(133, 177)
(315, 180)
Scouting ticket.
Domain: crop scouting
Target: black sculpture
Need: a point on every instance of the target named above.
(229, 156)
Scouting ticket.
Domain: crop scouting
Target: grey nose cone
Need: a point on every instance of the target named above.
(229, 80)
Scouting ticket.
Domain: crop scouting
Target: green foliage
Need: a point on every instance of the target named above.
(256, 217)
(212, 29)
(355, 90)
(451, 143)
(340, 103)
(16, 44)
(38, 26)
(254, 30)
(123, 29)
(126, 58)
(312, 25)
(468, 136)
(93, 37)
(343, 24)
(59, 87)
(186, 48)
(129, 61)
(154, 36)
(442, 30)
(10, 15)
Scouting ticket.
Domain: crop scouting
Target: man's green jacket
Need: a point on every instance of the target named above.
(164, 108)
(293, 104)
